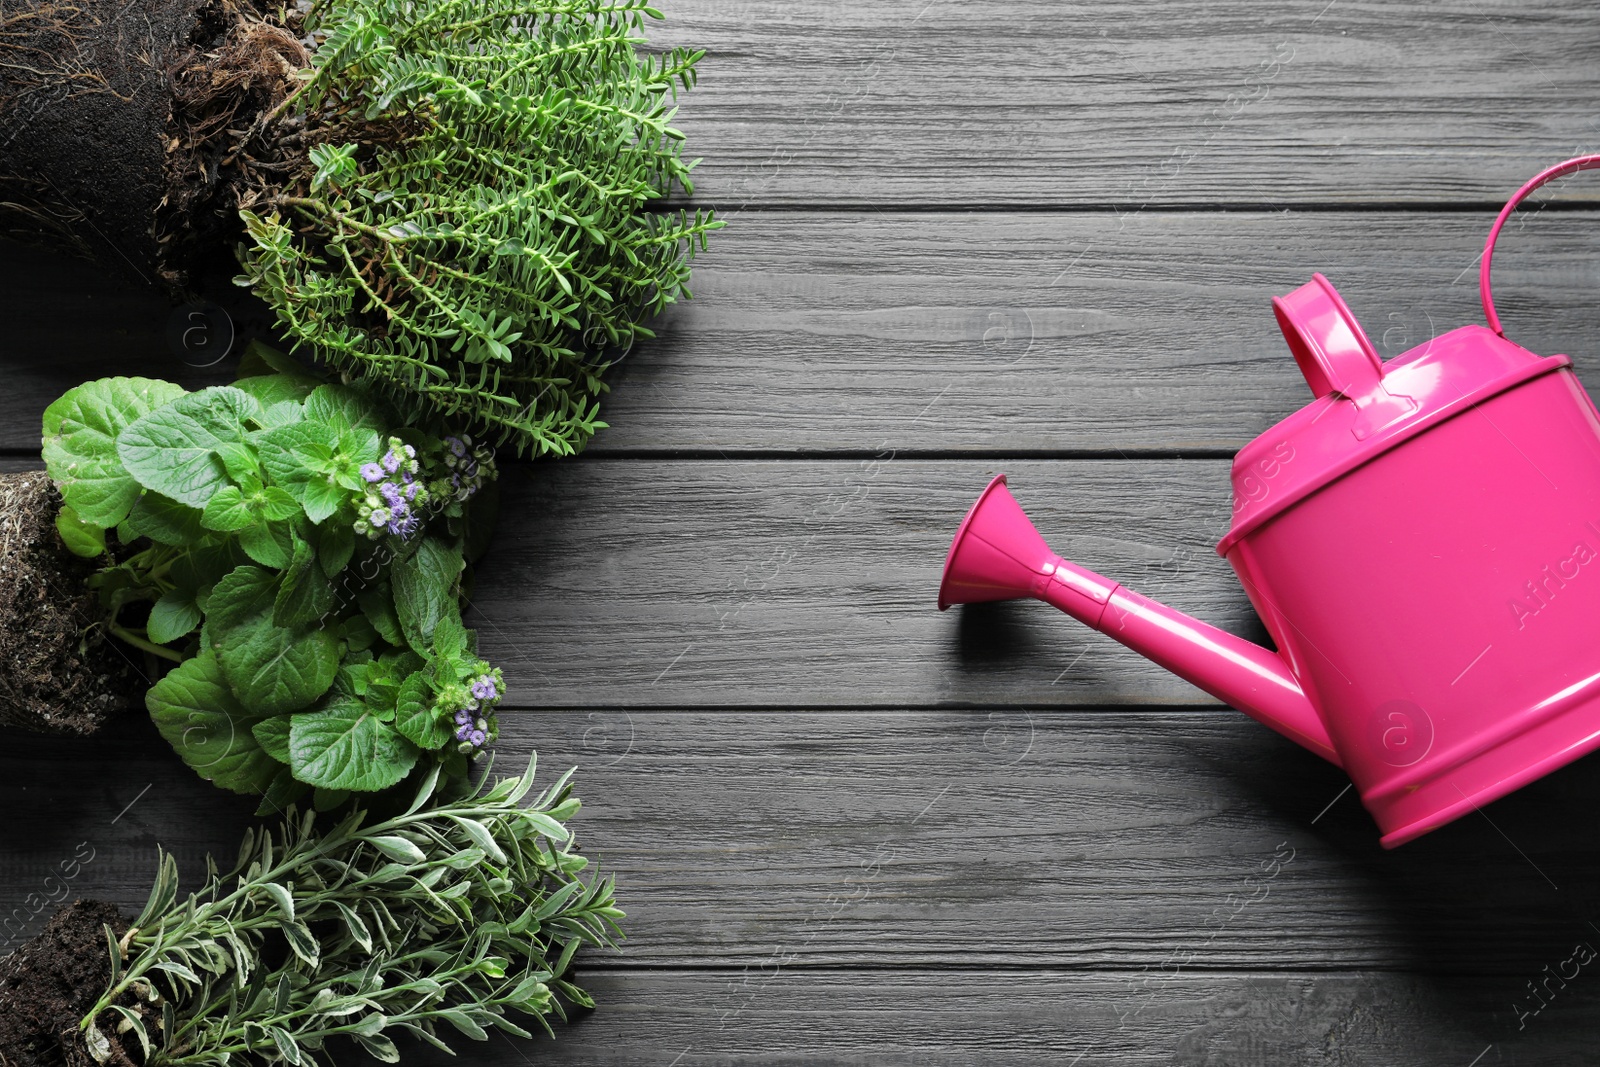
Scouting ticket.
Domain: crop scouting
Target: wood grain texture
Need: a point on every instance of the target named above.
(1004, 333)
(976, 1018)
(1032, 101)
(677, 582)
(952, 840)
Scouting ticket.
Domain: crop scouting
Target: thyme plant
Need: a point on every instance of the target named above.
(467, 225)
(443, 919)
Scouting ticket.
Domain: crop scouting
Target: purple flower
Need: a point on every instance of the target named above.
(456, 447)
(477, 737)
(391, 493)
(465, 732)
(463, 717)
(484, 688)
(371, 472)
(390, 461)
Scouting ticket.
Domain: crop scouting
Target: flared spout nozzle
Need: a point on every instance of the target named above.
(998, 555)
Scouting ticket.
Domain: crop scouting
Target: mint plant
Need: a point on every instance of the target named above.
(297, 554)
(451, 919)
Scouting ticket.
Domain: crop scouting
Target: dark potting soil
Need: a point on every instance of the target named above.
(115, 119)
(48, 985)
(57, 674)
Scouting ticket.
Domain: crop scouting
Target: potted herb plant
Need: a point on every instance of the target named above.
(292, 555)
(455, 918)
(449, 199)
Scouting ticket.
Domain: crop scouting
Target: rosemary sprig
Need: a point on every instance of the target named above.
(455, 911)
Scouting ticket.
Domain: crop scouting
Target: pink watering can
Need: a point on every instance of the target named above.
(1422, 542)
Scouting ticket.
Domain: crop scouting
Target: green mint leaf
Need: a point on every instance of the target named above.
(344, 746)
(414, 715)
(81, 538)
(285, 789)
(194, 709)
(173, 616)
(80, 443)
(277, 505)
(227, 511)
(300, 459)
(377, 604)
(343, 408)
(175, 450)
(272, 389)
(164, 520)
(272, 734)
(305, 595)
(336, 543)
(425, 588)
(270, 544)
(270, 668)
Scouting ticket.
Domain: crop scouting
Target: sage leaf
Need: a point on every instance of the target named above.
(398, 849)
(287, 1046)
(80, 443)
(270, 668)
(481, 837)
(281, 897)
(301, 940)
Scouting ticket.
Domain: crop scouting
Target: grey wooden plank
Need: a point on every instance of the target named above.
(649, 582)
(788, 1017)
(1030, 101)
(950, 840)
(681, 582)
(988, 332)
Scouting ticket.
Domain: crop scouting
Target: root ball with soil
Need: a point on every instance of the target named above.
(452, 199)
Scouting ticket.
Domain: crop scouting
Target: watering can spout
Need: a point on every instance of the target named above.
(998, 555)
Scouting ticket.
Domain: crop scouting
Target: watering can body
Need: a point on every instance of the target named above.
(1422, 542)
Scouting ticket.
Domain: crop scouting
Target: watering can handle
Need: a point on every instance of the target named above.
(1560, 170)
(1328, 343)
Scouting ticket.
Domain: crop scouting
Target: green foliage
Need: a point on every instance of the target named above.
(469, 227)
(299, 555)
(438, 923)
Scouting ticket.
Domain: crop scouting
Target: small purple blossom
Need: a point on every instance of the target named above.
(455, 446)
(390, 461)
(391, 492)
(371, 472)
(477, 737)
(465, 731)
(464, 717)
(484, 688)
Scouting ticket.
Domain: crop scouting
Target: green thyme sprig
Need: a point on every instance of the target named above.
(444, 918)
(467, 227)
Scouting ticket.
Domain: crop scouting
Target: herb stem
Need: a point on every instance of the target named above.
(126, 635)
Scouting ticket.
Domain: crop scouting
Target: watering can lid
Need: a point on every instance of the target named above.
(1364, 406)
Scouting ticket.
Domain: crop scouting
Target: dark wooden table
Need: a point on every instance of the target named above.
(965, 238)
